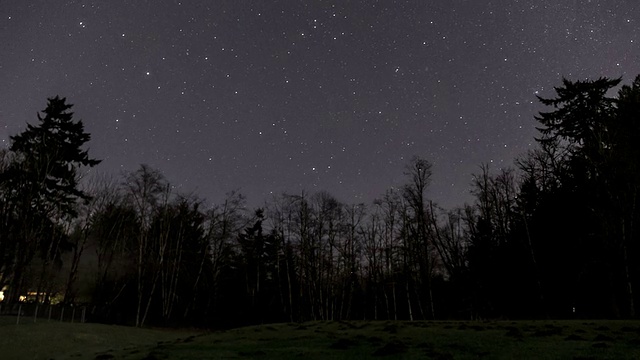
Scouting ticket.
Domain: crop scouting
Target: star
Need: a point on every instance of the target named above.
(350, 90)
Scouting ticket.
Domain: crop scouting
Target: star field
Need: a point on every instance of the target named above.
(276, 96)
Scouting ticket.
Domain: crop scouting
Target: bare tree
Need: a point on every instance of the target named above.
(417, 226)
(147, 191)
(103, 192)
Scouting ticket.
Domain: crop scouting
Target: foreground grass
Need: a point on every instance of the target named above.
(417, 340)
(56, 340)
(575, 339)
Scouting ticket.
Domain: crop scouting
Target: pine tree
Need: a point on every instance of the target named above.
(39, 187)
(49, 156)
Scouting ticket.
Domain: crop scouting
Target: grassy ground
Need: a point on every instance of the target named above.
(55, 340)
(575, 339)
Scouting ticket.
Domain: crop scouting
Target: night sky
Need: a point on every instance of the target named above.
(273, 96)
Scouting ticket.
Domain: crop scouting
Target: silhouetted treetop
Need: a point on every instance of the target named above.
(49, 154)
(582, 112)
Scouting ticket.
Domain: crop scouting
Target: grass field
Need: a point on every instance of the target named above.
(56, 340)
(576, 339)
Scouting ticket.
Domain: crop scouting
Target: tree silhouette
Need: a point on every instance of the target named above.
(48, 158)
(597, 139)
(40, 186)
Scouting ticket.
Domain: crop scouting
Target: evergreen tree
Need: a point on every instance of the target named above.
(48, 157)
(40, 187)
(597, 137)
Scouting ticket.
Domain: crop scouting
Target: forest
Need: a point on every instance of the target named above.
(552, 237)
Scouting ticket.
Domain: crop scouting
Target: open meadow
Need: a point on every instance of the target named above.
(574, 339)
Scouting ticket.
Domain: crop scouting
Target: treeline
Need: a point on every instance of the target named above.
(555, 236)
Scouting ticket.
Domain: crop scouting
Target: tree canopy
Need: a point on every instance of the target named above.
(555, 236)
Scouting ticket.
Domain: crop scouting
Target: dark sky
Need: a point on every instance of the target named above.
(273, 96)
